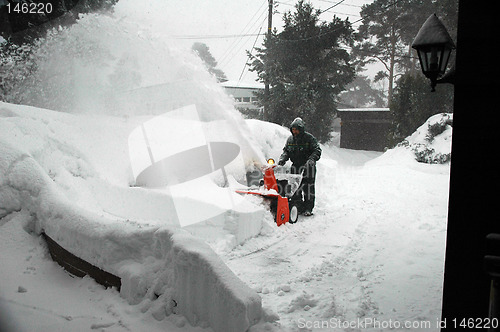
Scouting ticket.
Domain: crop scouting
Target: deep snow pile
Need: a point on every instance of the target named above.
(68, 176)
(431, 142)
(374, 249)
(77, 177)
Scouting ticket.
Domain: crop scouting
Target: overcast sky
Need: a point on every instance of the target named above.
(223, 24)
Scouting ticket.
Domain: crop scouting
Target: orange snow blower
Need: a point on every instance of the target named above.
(279, 192)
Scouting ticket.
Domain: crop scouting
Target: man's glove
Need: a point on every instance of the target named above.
(281, 162)
(310, 163)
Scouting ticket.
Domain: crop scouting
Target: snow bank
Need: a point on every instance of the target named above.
(209, 292)
(89, 158)
(430, 143)
(270, 137)
(133, 233)
(375, 242)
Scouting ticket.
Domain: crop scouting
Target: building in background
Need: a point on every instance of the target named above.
(355, 128)
(364, 128)
(244, 97)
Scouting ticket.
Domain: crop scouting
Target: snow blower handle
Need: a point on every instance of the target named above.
(301, 183)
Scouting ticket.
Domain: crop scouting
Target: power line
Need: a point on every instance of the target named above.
(255, 42)
(256, 34)
(335, 5)
(241, 36)
(328, 9)
(248, 27)
(338, 13)
(333, 31)
(216, 36)
(344, 4)
(240, 45)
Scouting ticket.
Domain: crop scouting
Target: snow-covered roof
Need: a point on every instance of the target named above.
(243, 85)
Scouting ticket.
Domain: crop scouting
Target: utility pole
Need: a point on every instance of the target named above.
(269, 31)
(270, 18)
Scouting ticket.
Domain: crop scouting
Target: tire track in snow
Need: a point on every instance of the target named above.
(304, 271)
(363, 254)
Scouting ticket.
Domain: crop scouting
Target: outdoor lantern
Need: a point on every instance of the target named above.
(433, 44)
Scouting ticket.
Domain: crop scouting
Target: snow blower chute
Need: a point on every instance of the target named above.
(279, 192)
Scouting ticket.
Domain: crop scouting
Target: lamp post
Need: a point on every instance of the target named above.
(434, 45)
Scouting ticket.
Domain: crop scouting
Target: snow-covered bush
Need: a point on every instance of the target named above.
(437, 128)
(428, 155)
(431, 143)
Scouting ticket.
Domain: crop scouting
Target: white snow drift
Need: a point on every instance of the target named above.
(46, 170)
(376, 240)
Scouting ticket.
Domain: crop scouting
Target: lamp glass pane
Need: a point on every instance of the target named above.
(444, 59)
(423, 60)
(434, 56)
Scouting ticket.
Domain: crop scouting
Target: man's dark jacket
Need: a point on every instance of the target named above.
(299, 149)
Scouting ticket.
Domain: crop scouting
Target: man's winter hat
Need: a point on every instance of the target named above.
(298, 123)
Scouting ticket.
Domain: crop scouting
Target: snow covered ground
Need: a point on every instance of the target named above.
(371, 256)
(372, 253)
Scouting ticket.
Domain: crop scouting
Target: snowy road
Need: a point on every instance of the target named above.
(374, 249)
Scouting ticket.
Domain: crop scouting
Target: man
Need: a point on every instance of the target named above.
(303, 150)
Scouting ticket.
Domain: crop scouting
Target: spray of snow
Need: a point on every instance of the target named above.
(117, 65)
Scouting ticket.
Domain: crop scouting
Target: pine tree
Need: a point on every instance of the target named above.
(203, 52)
(413, 103)
(388, 29)
(361, 93)
(20, 27)
(306, 66)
